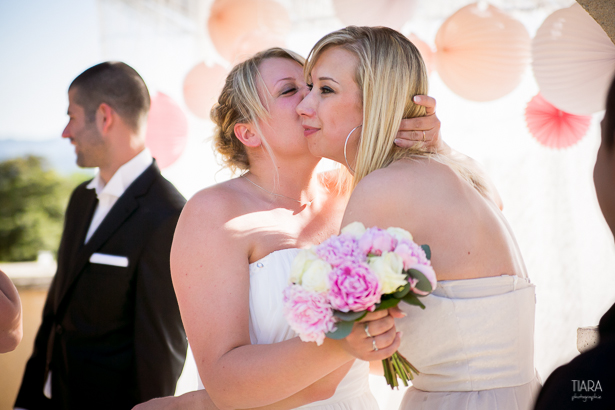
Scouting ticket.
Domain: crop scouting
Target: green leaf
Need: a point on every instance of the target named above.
(427, 251)
(387, 303)
(411, 299)
(403, 292)
(424, 284)
(343, 329)
(349, 316)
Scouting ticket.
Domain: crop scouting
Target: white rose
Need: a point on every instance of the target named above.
(315, 277)
(388, 268)
(300, 264)
(400, 234)
(355, 229)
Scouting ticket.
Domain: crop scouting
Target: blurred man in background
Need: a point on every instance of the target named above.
(111, 335)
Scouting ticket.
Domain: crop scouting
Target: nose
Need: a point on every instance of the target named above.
(306, 106)
(66, 132)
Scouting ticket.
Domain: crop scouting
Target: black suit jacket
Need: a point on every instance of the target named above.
(111, 336)
(575, 385)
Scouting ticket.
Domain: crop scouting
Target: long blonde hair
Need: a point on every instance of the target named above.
(239, 103)
(390, 72)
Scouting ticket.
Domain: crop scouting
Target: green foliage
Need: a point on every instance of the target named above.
(32, 204)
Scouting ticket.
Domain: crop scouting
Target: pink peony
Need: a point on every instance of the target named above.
(411, 254)
(353, 287)
(339, 249)
(429, 273)
(308, 313)
(376, 241)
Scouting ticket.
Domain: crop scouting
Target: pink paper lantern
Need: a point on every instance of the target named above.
(202, 86)
(167, 130)
(389, 13)
(259, 23)
(482, 52)
(573, 61)
(553, 127)
(425, 50)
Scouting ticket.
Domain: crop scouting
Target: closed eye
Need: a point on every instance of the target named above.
(288, 91)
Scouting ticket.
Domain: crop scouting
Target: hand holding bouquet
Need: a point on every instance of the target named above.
(336, 283)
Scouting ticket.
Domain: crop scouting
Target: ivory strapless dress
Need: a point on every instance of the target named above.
(474, 346)
(268, 279)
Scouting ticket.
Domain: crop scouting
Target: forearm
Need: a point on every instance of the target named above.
(320, 390)
(11, 330)
(255, 376)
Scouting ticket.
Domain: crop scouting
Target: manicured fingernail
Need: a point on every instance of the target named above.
(400, 333)
(403, 314)
(417, 99)
(397, 140)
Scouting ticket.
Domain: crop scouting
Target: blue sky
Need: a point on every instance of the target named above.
(44, 44)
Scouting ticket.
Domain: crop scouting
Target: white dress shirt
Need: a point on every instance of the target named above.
(107, 197)
(109, 194)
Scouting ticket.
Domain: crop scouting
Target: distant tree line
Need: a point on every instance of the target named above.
(33, 199)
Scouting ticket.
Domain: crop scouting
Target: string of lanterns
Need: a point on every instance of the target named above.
(481, 54)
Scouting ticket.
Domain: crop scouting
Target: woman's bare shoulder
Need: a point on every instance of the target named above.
(406, 177)
(220, 200)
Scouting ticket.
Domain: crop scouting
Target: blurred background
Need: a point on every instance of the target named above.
(520, 86)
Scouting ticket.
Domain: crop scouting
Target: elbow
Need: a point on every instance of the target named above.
(10, 340)
(324, 392)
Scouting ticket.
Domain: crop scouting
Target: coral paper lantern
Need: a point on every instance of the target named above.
(202, 87)
(573, 61)
(553, 127)
(389, 13)
(260, 23)
(167, 130)
(482, 52)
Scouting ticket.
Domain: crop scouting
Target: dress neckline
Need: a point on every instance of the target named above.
(271, 253)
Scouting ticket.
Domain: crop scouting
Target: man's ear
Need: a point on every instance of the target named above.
(105, 118)
(247, 135)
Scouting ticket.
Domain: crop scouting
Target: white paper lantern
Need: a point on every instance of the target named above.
(573, 61)
(482, 52)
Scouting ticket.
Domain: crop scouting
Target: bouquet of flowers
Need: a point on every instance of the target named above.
(336, 283)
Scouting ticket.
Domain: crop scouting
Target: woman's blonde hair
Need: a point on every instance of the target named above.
(390, 72)
(239, 103)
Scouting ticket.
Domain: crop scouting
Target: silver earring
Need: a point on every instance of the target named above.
(346, 144)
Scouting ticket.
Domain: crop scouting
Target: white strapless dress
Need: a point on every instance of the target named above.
(474, 346)
(268, 279)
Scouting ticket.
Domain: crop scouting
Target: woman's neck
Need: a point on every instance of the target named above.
(288, 180)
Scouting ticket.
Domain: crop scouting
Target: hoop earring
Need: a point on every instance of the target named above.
(346, 144)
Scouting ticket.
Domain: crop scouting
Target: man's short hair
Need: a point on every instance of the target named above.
(116, 84)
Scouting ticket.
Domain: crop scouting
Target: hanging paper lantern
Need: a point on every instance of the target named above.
(261, 23)
(553, 127)
(389, 13)
(482, 52)
(573, 61)
(202, 86)
(253, 42)
(167, 130)
(425, 50)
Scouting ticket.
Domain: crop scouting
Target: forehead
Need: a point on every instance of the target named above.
(72, 103)
(336, 63)
(274, 69)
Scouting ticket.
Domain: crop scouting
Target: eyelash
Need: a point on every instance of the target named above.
(289, 91)
(323, 90)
